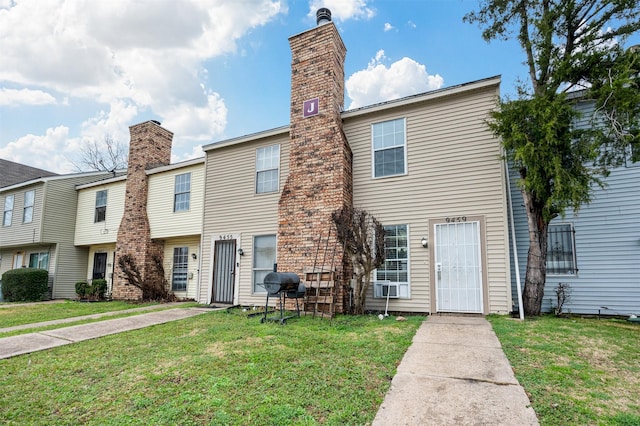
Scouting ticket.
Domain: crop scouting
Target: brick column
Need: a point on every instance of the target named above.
(320, 170)
(150, 146)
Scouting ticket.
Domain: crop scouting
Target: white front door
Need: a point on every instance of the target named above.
(458, 267)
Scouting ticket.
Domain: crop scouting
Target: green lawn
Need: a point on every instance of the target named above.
(216, 368)
(576, 371)
(225, 368)
(38, 312)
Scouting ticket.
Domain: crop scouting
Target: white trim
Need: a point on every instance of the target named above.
(50, 178)
(423, 97)
(373, 150)
(247, 138)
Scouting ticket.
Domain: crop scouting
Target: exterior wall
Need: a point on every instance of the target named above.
(19, 233)
(232, 207)
(194, 248)
(607, 246)
(320, 176)
(164, 222)
(454, 170)
(150, 147)
(52, 229)
(87, 231)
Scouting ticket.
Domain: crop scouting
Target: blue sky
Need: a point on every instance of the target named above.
(73, 71)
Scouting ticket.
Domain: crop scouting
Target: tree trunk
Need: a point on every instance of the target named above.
(536, 258)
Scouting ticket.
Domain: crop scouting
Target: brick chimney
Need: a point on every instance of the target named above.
(320, 173)
(150, 147)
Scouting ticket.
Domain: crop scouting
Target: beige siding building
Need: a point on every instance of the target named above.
(174, 206)
(236, 215)
(426, 166)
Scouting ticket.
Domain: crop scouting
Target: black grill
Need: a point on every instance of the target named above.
(282, 285)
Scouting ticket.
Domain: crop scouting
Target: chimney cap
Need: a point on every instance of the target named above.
(323, 16)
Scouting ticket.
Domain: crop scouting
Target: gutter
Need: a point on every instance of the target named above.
(513, 241)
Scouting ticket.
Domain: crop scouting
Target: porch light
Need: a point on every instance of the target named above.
(424, 242)
(194, 256)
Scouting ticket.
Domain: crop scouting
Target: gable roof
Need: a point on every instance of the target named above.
(11, 173)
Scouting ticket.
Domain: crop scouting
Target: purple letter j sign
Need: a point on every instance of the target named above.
(310, 107)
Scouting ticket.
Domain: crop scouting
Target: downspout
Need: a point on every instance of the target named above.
(513, 241)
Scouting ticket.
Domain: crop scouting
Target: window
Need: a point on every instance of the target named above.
(180, 269)
(101, 206)
(389, 153)
(182, 193)
(396, 264)
(561, 258)
(27, 214)
(39, 260)
(8, 210)
(264, 256)
(267, 167)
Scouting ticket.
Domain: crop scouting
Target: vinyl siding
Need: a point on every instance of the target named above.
(231, 207)
(164, 222)
(53, 227)
(87, 231)
(194, 247)
(607, 244)
(59, 222)
(454, 169)
(19, 233)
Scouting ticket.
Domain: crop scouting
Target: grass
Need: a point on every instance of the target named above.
(38, 312)
(576, 371)
(216, 368)
(26, 315)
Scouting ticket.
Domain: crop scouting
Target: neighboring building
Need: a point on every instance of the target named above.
(163, 206)
(12, 173)
(38, 226)
(426, 166)
(596, 250)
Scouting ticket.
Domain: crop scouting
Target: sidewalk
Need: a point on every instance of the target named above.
(455, 372)
(32, 342)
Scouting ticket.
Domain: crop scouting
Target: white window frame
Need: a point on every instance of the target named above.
(270, 165)
(100, 214)
(404, 287)
(378, 144)
(265, 269)
(27, 211)
(572, 270)
(41, 261)
(182, 193)
(7, 216)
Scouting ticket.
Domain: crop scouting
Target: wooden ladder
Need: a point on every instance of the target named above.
(320, 298)
(321, 282)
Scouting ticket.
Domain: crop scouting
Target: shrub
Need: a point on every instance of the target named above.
(82, 289)
(98, 288)
(25, 284)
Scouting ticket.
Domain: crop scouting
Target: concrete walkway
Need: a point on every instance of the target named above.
(455, 372)
(32, 342)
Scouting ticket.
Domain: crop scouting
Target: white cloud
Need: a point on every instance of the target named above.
(132, 57)
(343, 10)
(388, 27)
(50, 151)
(12, 97)
(378, 83)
